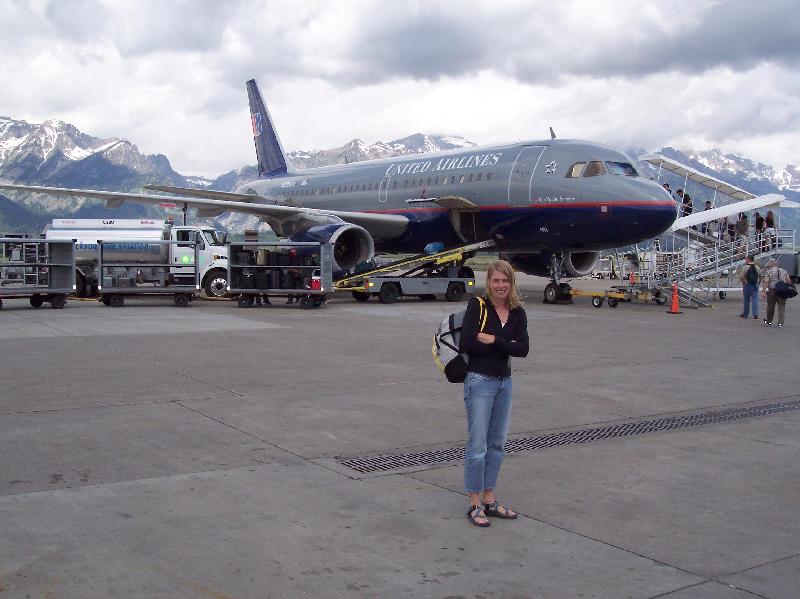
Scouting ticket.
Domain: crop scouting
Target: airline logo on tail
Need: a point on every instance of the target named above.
(256, 120)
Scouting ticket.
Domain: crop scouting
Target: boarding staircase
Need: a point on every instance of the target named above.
(700, 263)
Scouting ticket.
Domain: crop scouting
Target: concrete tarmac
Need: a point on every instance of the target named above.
(152, 451)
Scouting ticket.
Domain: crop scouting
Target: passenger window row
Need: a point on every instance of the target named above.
(421, 182)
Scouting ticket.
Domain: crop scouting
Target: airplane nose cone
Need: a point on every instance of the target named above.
(655, 209)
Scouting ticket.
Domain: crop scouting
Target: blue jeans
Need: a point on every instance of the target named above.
(750, 293)
(488, 403)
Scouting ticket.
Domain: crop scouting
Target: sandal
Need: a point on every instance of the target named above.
(495, 510)
(474, 513)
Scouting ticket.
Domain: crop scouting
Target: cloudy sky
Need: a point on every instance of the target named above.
(169, 74)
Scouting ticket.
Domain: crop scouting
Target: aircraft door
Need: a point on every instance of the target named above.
(520, 180)
(383, 190)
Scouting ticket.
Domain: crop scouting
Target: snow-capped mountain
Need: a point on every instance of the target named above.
(55, 153)
(786, 179)
(356, 150)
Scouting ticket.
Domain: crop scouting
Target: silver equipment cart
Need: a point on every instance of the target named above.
(42, 270)
(162, 272)
(302, 270)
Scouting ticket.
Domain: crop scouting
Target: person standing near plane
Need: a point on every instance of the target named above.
(749, 275)
(772, 274)
(490, 342)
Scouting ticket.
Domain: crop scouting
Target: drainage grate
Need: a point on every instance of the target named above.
(385, 463)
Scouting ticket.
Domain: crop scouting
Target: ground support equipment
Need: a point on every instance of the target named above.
(295, 270)
(41, 270)
(618, 294)
(179, 279)
(425, 276)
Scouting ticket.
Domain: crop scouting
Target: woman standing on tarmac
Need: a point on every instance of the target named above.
(491, 334)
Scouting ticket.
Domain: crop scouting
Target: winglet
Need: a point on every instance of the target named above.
(269, 151)
(552, 133)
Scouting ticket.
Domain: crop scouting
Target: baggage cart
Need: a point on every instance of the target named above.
(41, 270)
(296, 270)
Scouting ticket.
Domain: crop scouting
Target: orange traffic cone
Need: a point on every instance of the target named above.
(674, 309)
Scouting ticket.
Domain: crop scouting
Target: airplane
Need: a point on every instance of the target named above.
(551, 207)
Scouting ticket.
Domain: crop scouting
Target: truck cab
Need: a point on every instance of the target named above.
(212, 255)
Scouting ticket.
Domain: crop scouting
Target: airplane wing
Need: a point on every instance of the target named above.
(705, 216)
(283, 219)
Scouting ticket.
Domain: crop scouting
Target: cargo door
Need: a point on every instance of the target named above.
(520, 180)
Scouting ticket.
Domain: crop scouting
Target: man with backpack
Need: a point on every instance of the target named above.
(750, 276)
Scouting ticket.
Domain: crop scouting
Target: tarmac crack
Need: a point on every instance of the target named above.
(266, 442)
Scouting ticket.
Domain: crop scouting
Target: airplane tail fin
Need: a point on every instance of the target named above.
(269, 151)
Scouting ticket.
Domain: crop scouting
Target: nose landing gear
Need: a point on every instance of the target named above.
(556, 292)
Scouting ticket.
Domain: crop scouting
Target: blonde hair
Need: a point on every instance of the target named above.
(514, 297)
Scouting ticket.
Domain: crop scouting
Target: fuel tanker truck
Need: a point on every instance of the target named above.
(132, 248)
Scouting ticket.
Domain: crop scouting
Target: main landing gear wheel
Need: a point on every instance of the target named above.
(361, 296)
(455, 292)
(552, 293)
(36, 301)
(388, 293)
(597, 301)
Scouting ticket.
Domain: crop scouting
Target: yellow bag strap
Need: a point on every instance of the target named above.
(483, 313)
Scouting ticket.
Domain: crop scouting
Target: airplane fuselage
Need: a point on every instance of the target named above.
(553, 195)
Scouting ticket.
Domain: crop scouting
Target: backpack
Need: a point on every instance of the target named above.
(751, 276)
(447, 343)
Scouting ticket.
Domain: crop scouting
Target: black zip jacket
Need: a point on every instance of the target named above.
(510, 340)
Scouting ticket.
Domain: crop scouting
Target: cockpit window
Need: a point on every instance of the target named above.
(621, 168)
(576, 170)
(594, 168)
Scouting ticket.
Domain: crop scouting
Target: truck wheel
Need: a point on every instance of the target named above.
(245, 301)
(306, 302)
(106, 300)
(36, 301)
(613, 302)
(216, 284)
(454, 293)
(361, 296)
(57, 302)
(723, 295)
(181, 301)
(116, 301)
(597, 301)
(1, 304)
(388, 293)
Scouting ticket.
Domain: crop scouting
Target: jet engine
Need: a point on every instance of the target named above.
(351, 244)
(575, 264)
(579, 264)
